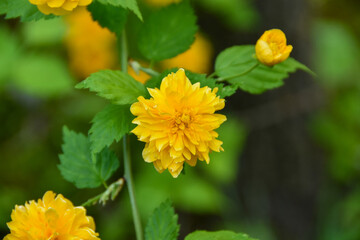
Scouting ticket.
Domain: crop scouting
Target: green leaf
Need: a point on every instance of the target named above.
(168, 32)
(263, 78)
(127, 4)
(42, 76)
(78, 166)
(211, 83)
(235, 60)
(23, 9)
(111, 17)
(117, 86)
(228, 91)
(219, 235)
(112, 123)
(162, 224)
(239, 65)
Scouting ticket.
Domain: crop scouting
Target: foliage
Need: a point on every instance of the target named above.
(23, 9)
(87, 161)
(79, 166)
(110, 124)
(162, 224)
(117, 86)
(158, 45)
(115, 16)
(127, 4)
(240, 66)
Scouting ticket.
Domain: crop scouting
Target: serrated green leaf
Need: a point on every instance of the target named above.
(79, 167)
(235, 60)
(239, 65)
(42, 76)
(211, 83)
(112, 123)
(168, 32)
(228, 91)
(264, 78)
(127, 4)
(117, 86)
(23, 9)
(219, 235)
(162, 224)
(111, 17)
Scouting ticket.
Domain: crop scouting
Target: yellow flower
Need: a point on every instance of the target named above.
(51, 218)
(197, 59)
(59, 7)
(271, 47)
(177, 123)
(90, 47)
(161, 3)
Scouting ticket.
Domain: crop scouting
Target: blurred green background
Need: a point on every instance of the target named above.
(291, 166)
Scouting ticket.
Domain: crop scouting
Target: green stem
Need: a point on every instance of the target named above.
(130, 184)
(239, 74)
(127, 159)
(150, 71)
(124, 52)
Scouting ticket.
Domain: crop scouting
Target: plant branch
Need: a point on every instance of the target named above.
(126, 149)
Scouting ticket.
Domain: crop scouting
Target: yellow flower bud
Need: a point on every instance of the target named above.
(271, 47)
(59, 7)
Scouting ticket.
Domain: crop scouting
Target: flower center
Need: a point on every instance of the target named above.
(181, 121)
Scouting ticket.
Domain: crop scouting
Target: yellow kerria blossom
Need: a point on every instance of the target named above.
(177, 123)
(271, 47)
(90, 47)
(197, 59)
(59, 7)
(51, 218)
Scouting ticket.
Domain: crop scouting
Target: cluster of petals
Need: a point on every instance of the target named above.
(59, 7)
(177, 123)
(271, 47)
(51, 218)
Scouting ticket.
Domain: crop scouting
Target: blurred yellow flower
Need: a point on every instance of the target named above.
(59, 7)
(90, 47)
(161, 3)
(197, 59)
(177, 123)
(50, 218)
(141, 76)
(271, 47)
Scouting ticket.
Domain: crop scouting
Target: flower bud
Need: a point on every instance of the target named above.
(271, 47)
